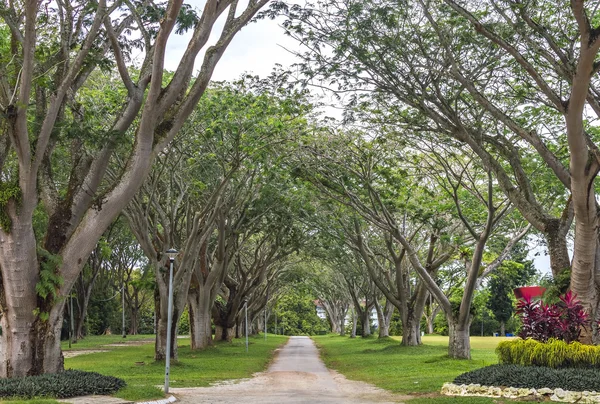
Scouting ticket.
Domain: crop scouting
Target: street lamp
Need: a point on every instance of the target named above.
(171, 253)
(246, 307)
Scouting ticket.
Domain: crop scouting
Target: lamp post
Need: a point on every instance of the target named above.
(171, 253)
(246, 307)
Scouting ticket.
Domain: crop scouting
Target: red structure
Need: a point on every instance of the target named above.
(529, 292)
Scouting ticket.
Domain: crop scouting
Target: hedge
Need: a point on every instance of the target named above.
(554, 354)
(535, 377)
(70, 383)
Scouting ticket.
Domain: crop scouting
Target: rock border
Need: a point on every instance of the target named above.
(557, 395)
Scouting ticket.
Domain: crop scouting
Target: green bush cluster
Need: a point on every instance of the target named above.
(553, 354)
(70, 383)
(536, 377)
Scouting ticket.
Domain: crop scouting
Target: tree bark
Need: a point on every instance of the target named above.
(224, 333)
(459, 345)
(199, 308)
(365, 318)
(161, 309)
(29, 344)
(502, 328)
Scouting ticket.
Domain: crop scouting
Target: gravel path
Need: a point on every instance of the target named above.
(296, 376)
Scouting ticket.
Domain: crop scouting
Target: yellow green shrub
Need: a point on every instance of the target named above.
(553, 353)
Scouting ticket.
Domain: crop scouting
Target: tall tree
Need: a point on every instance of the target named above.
(54, 48)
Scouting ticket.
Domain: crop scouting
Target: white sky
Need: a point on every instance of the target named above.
(255, 49)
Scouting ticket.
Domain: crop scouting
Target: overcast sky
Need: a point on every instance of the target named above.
(255, 49)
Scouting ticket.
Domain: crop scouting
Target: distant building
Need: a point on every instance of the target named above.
(321, 313)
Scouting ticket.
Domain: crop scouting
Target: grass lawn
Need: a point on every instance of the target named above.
(419, 371)
(135, 364)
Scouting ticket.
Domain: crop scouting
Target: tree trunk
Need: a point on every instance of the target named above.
(430, 325)
(343, 325)
(80, 322)
(459, 346)
(503, 328)
(365, 319)
(354, 321)
(224, 333)
(133, 327)
(199, 309)
(411, 335)
(160, 349)
(557, 249)
(29, 345)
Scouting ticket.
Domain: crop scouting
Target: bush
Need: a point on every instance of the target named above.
(70, 383)
(535, 377)
(554, 354)
(563, 320)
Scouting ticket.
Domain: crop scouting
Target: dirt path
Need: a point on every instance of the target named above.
(296, 376)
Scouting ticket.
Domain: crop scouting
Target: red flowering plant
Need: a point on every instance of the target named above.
(563, 320)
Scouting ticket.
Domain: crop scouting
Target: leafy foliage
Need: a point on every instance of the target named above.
(297, 314)
(512, 273)
(554, 353)
(70, 383)
(563, 320)
(49, 280)
(533, 377)
(8, 191)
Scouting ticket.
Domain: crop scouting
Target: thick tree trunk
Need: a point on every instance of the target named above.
(411, 335)
(459, 346)
(30, 337)
(199, 309)
(335, 325)
(224, 333)
(365, 320)
(503, 328)
(383, 318)
(411, 319)
(430, 325)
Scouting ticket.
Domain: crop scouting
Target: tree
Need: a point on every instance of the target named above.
(55, 49)
(362, 179)
(456, 69)
(516, 271)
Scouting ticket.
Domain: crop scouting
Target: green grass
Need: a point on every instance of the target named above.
(136, 365)
(98, 341)
(419, 371)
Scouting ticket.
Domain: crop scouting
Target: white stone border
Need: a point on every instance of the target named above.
(168, 400)
(559, 395)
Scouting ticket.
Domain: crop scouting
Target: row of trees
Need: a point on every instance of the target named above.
(501, 97)
(453, 149)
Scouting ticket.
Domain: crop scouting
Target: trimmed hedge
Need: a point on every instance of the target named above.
(535, 377)
(70, 383)
(553, 354)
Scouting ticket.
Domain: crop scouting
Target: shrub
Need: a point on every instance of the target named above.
(533, 377)
(553, 353)
(70, 383)
(563, 320)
